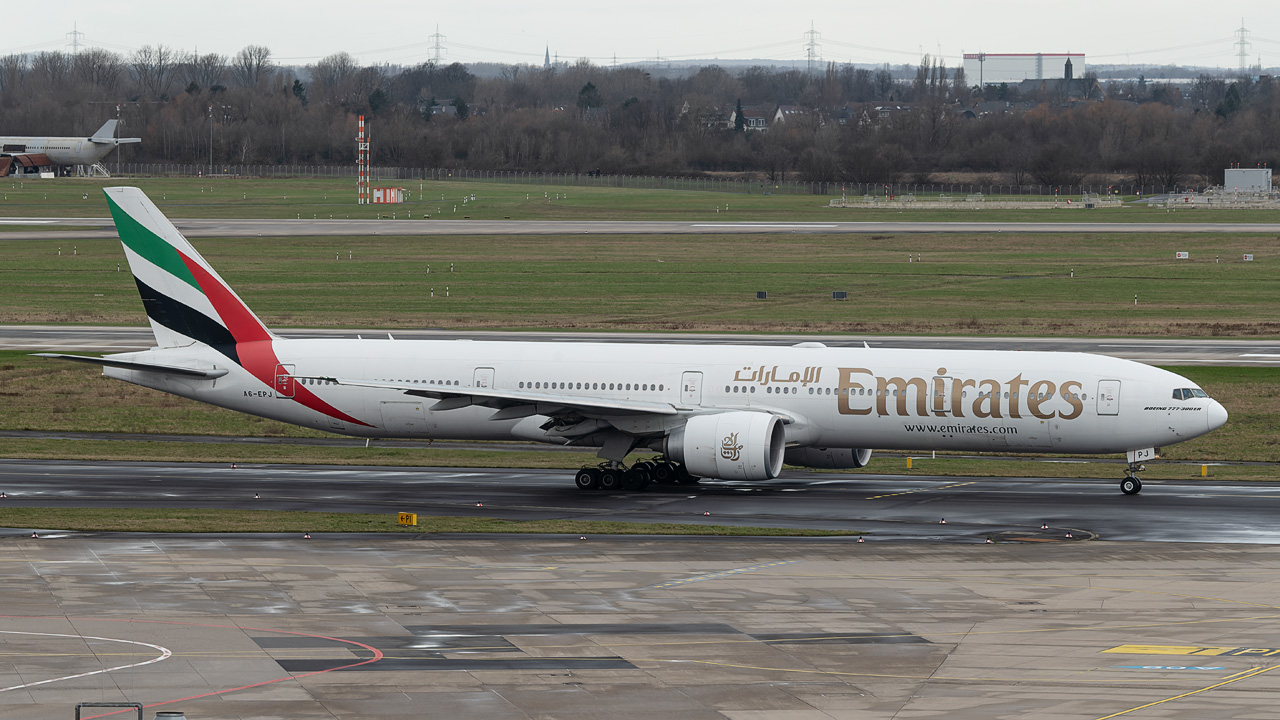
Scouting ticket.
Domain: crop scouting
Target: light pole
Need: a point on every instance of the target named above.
(117, 137)
(211, 140)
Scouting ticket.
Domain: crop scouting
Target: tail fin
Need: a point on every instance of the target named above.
(184, 298)
(106, 133)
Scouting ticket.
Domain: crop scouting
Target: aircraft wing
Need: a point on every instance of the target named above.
(513, 404)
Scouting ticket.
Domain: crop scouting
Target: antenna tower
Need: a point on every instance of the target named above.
(75, 36)
(437, 46)
(1243, 44)
(812, 50)
(362, 165)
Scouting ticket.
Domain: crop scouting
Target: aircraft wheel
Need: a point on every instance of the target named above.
(587, 479)
(1131, 486)
(610, 479)
(662, 473)
(634, 479)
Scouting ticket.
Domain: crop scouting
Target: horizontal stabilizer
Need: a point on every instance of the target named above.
(144, 367)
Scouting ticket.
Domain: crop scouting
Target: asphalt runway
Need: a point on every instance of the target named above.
(514, 627)
(75, 228)
(68, 338)
(890, 507)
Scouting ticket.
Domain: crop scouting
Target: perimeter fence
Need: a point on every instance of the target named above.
(704, 183)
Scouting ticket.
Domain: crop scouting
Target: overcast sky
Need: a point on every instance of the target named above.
(865, 31)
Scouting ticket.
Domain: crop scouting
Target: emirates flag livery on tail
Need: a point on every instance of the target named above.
(732, 412)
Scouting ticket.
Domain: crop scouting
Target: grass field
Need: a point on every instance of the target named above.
(1000, 284)
(321, 198)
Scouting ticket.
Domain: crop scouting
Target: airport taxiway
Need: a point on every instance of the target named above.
(73, 338)
(888, 506)
(923, 619)
(100, 227)
(516, 627)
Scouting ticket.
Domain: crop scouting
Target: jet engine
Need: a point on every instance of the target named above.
(729, 446)
(828, 458)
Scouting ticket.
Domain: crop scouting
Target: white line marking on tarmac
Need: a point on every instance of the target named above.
(165, 654)
(1196, 346)
(766, 225)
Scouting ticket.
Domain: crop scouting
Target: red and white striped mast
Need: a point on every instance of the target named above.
(362, 166)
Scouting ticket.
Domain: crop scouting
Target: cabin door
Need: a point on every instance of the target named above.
(284, 381)
(691, 388)
(1108, 397)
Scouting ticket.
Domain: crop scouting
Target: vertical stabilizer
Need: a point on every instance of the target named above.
(185, 299)
(106, 133)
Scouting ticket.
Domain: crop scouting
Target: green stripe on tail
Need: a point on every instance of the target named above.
(150, 246)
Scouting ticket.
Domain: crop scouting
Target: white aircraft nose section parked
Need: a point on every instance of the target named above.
(718, 411)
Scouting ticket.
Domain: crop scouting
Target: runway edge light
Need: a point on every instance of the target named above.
(408, 519)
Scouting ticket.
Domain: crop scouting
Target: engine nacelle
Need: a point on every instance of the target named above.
(828, 458)
(730, 446)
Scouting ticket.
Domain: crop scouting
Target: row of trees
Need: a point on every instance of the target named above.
(580, 117)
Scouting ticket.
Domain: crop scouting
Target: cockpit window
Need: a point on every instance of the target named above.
(1188, 393)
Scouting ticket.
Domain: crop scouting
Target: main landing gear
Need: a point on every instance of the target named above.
(1131, 485)
(614, 476)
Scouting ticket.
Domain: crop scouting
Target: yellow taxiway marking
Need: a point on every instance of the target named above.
(1193, 650)
(920, 490)
(1238, 678)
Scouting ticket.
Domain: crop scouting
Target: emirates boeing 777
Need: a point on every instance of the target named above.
(722, 411)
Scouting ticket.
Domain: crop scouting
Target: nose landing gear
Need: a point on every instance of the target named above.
(1131, 485)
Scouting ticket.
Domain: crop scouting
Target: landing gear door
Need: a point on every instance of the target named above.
(284, 381)
(483, 378)
(691, 388)
(1108, 397)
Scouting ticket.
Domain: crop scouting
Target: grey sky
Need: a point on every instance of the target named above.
(397, 31)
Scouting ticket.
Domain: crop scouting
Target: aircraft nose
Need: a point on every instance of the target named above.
(1217, 415)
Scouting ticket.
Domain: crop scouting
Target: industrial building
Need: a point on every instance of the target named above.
(995, 68)
(1253, 180)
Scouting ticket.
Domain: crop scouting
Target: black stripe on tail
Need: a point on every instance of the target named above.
(187, 321)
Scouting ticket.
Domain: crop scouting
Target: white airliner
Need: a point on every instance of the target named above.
(729, 412)
(64, 150)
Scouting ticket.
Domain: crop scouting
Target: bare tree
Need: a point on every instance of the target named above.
(99, 68)
(51, 68)
(208, 71)
(153, 68)
(251, 65)
(13, 72)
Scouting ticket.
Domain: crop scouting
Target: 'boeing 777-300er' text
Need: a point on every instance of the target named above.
(723, 411)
